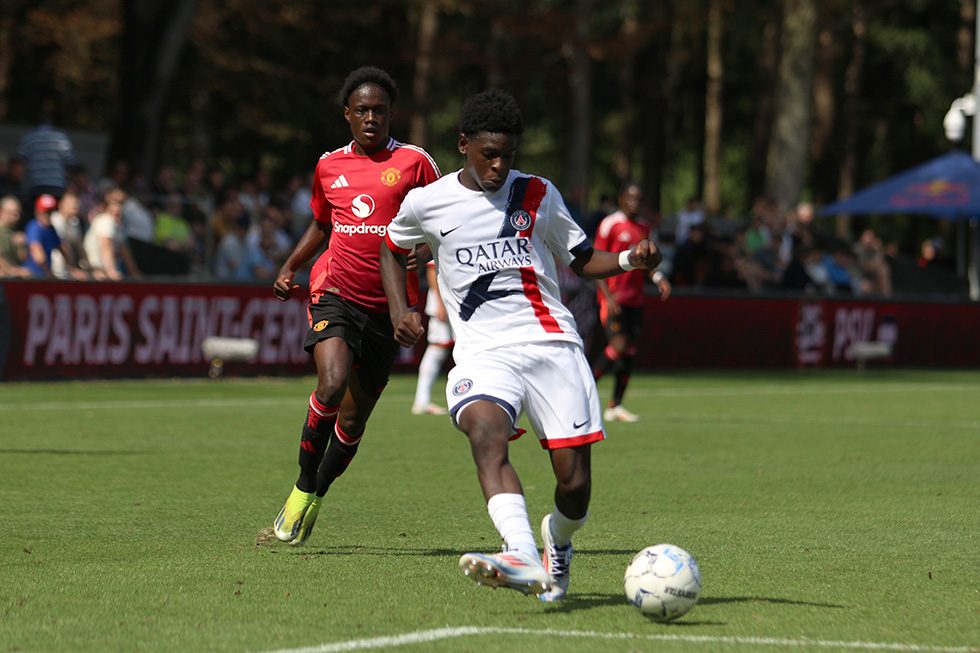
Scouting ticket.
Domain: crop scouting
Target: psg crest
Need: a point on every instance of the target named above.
(462, 387)
(520, 220)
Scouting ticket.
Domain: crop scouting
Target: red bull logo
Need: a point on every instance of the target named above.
(938, 192)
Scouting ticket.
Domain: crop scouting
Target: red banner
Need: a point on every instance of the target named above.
(59, 330)
(54, 330)
(715, 332)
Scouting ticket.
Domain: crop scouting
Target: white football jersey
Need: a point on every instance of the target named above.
(495, 258)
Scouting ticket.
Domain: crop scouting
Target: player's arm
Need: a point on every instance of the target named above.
(394, 278)
(36, 251)
(608, 295)
(663, 285)
(600, 264)
(432, 278)
(309, 244)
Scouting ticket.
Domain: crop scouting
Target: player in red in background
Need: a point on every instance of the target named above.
(357, 190)
(621, 297)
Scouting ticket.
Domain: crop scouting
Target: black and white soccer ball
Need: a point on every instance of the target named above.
(663, 582)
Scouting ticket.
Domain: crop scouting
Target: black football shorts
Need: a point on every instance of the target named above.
(629, 322)
(370, 335)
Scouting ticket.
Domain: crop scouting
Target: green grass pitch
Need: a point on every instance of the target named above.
(829, 510)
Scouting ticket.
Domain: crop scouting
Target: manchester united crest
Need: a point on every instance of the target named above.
(391, 177)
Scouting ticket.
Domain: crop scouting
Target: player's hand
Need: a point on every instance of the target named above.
(409, 329)
(423, 254)
(662, 285)
(645, 255)
(283, 287)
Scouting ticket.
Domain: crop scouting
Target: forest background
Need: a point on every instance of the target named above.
(728, 101)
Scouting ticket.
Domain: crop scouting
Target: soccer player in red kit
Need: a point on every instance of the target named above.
(357, 190)
(621, 297)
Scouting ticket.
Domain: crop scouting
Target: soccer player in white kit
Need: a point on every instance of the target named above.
(494, 233)
(440, 335)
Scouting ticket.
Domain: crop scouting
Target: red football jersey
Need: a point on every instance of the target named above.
(617, 233)
(359, 195)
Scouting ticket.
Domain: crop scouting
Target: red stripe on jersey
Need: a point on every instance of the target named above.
(395, 248)
(536, 190)
(577, 441)
(530, 281)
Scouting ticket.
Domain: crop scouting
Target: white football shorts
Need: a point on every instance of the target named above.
(439, 332)
(550, 381)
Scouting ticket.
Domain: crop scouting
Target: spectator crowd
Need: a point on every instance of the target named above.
(124, 226)
(56, 222)
(773, 249)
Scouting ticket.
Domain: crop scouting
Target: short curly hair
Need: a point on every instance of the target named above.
(368, 75)
(492, 111)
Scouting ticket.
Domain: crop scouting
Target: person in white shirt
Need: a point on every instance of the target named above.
(440, 336)
(494, 234)
(690, 215)
(105, 242)
(68, 224)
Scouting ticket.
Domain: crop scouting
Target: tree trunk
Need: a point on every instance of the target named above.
(786, 163)
(623, 157)
(713, 109)
(418, 132)
(154, 32)
(762, 127)
(852, 99)
(580, 83)
(653, 130)
(8, 29)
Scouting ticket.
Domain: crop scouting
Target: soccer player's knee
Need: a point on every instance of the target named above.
(351, 426)
(574, 483)
(489, 445)
(330, 394)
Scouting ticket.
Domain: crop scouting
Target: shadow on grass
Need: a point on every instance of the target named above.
(576, 602)
(74, 452)
(367, 550)
(352, 549)
(708, 600)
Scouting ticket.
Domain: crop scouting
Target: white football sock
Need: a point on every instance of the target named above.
(429, 368)
(562, 528)
(509, 515)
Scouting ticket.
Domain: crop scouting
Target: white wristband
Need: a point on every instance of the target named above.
(658, 276)
(624, 261)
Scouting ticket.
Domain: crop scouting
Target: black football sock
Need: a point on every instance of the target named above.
(607, 360)
(320, 420)
(623, 371)
(341, 451)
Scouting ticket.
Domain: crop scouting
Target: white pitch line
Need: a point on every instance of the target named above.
(169, 403)
(724, 419)
(425, 636)
(266, 402)
(852, 388)
(791, 389)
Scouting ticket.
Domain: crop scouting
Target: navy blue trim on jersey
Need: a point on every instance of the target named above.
(514, 203)
(479, 293)
(583, 247)
(500, 402)
(582, 251)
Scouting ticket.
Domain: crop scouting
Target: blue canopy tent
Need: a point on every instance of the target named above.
(945, 187)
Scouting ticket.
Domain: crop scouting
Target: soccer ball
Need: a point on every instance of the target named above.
(663, 582)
